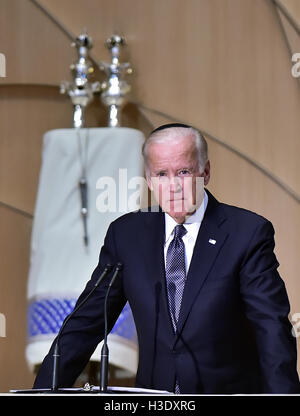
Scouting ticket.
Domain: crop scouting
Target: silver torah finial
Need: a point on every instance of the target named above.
(81, 91)
(114, 90)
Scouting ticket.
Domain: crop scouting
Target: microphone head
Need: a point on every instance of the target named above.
(119, 266)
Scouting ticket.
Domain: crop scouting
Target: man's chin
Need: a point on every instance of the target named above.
(179, 216)
(179, 209)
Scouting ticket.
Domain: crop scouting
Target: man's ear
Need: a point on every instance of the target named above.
(149, 182)
(206, 171)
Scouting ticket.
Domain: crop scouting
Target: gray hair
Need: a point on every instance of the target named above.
(162, 136)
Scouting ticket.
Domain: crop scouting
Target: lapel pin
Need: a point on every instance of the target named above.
(212, 241)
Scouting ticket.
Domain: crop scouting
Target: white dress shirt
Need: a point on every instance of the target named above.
(192, 226)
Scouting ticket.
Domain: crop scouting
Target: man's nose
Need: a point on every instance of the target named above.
(175, 184)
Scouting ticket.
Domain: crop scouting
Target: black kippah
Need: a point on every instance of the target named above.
(168, 126)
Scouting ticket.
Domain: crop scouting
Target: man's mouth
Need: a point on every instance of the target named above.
(176, 199)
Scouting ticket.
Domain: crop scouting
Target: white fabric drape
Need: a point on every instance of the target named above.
(60, 262)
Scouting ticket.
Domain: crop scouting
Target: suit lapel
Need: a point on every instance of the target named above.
(152, 240)
(204, 255)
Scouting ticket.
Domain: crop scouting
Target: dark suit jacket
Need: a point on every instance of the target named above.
(233, 336)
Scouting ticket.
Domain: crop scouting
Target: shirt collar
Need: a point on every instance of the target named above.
(192, 223)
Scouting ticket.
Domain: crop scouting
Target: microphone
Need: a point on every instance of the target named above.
(104, 350)
(56, 353)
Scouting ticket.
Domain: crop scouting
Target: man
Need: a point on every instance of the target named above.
(210, 308)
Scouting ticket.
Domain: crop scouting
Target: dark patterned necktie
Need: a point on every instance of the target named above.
(175, 272)
(175, 276)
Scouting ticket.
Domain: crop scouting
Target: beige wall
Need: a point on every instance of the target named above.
(222, 65)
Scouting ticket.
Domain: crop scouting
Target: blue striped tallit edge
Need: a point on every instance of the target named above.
(45, 317)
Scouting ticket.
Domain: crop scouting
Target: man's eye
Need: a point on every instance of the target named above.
(184, 172)
(161, 174)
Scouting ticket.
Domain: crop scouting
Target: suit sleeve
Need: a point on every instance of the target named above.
(85, 330)
(267, 308)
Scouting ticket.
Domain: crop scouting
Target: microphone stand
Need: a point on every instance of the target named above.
(105, 351)
(56, 353)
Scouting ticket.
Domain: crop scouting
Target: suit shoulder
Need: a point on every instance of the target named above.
(236, 214)
(246, 216)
